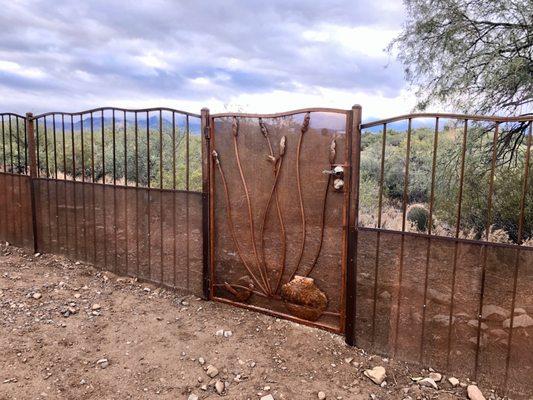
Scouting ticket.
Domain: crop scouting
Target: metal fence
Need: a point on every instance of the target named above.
(447, 280)
(118, 188)
(433, 233)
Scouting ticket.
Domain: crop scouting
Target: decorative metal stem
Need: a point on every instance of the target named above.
(303, 130)
(235, 129)
(230, 222)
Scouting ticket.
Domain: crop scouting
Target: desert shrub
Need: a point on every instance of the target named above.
(418, 214)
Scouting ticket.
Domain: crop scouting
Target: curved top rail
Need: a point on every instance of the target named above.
(528, 117)
(12, 115)
(138, 110)
(281, 114)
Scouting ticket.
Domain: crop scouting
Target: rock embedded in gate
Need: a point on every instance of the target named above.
(303, 298)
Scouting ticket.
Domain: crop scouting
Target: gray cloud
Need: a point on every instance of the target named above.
(82, 53)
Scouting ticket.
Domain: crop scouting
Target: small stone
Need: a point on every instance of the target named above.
(348, 360)
(192, 396)
(474, 393)
(220, 332)
(103, 363)
(201, 361)
(321, 395)
(211, 371)
(267, 397)
(435, 376)
(228, 334)
(96, 307)
(219, 386)
(77, 295)
(453, 381)
(376, 374)
(428, 382)
(37, 295)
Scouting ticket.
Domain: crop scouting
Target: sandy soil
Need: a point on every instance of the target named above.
(59, 318)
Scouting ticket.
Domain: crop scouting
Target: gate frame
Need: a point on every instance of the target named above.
(349, 215)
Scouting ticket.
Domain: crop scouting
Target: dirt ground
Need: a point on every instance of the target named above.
(59, 318)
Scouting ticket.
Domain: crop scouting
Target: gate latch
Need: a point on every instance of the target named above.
(337, 172)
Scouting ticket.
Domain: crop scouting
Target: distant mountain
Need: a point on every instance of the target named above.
(153, 123)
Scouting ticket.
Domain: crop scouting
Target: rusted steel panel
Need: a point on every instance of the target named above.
(276, 214)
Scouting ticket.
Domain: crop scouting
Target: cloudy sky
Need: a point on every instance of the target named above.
(256, 56)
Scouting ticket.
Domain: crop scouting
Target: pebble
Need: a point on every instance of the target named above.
(192, 396)
(474, 393)
(103, 363)
(428, 382)
(37, 295)
(267, 397)
(201, 361)
(211, 371)
(435, 376)
(321, 395)
(453, 381)
(219, 386)
(96, 307)
(376, 374)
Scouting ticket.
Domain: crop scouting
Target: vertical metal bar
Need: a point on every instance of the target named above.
(93, 187)
(4, 145)
(137, 193)
(430, 226)
(378, 238)
(104, 216)
(174, 198)
(484, 249)
(148, 173)
(47, 183)
(10, 143)
(37, 146)
(11, 202)
(187, 205)
(161, 193)
(26, 165)
(19, 171)
(33, 175)
(115, 234)
(67, 241)
(207, 206)
(402, 243)
(4, 224)
(351, 222)
(17, 127)
(74, 186)
(521, 221)
(126, 249)
(84, 214)
(456, 244)
(56, 182)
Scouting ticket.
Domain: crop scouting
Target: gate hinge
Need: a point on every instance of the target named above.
(207, 128)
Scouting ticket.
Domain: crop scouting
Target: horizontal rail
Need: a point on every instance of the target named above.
(10, 114)
(112, 185)
(282, 114)
(128, 110)
(447, 238)
(501, 119)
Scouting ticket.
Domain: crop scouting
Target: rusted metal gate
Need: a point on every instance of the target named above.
(264, 212)
(280, 208)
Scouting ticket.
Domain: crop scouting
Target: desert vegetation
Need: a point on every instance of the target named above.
(507, 191)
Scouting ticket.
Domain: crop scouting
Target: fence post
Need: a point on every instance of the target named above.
(354, 147)
(33, 175)
(206, 218)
